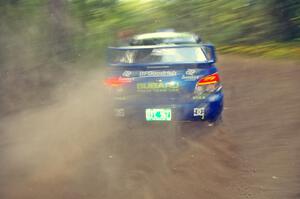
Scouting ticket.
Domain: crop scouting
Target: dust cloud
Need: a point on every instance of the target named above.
(71, 148)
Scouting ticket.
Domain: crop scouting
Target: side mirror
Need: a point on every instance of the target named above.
(210, 53)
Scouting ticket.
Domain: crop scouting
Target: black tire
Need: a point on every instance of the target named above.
(216, 122)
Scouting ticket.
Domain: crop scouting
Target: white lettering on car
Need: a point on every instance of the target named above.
(190, 78)
(158, 73)
(126, 73)
(190, 71)
(199, 112)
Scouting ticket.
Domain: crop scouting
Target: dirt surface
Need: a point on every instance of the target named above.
(70, 149)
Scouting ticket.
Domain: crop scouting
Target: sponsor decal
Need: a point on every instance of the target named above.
(158, 87)
(190, 72)
(126, 73)
(158, 73)
(199, 97)
(199, 112)
(190, 78)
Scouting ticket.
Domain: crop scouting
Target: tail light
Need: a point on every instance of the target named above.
(117, 81)
(208, 84)
(210, 79)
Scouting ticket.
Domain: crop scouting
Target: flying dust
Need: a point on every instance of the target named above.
(70, 148)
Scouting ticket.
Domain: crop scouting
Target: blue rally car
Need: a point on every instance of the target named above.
(165, 82)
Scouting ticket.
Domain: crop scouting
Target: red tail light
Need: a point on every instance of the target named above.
(210, 79)
(207, 85)
(117, 81)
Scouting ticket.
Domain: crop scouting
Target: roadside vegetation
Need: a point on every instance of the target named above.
(69, 29)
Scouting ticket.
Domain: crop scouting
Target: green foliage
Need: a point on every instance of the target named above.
(237, 21)
(67, 29)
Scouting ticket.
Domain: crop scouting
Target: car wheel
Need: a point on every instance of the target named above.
(216, 122)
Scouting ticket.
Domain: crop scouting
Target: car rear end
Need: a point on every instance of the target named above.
(164, 83)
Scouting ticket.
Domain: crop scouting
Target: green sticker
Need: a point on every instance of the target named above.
(158, 87)
(158, 115)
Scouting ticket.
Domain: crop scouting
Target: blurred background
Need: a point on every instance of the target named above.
(42, 40)
(56, 140)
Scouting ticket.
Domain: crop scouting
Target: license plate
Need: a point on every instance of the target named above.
(158, 114)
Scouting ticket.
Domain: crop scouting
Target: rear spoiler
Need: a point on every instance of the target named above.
(155, 46)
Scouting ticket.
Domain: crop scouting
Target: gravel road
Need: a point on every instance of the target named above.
(70, 149)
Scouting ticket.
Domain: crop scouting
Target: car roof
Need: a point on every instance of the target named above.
(154, 46)
(162, 35)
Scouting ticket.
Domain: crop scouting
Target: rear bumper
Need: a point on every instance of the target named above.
(199, 110)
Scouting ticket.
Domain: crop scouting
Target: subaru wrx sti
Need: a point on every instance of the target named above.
(166, 82)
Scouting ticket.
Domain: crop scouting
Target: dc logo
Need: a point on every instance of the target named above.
(126, 73)
(190, 72)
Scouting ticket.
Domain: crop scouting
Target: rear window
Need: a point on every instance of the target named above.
(157, 55)
(157, 41)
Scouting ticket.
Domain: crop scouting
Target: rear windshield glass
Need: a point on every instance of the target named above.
(157, 41)
(157, 55)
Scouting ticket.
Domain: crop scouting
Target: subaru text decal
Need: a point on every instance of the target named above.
(158, 87)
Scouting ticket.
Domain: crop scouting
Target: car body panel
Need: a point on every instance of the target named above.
(164, 85)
